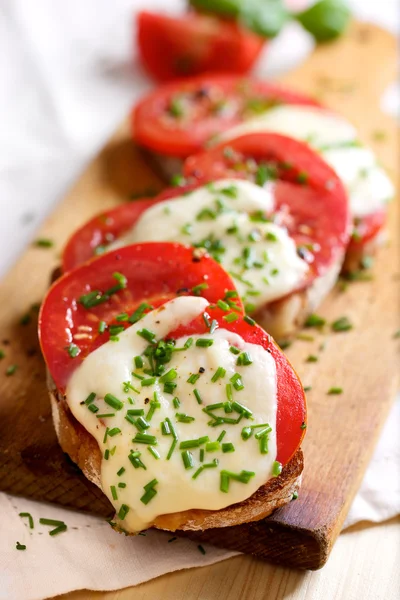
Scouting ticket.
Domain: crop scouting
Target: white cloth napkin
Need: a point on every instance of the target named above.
(68, 75)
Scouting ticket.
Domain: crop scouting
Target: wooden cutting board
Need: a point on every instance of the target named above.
(349, 75)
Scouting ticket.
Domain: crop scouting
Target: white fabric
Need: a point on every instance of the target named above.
(68, 76)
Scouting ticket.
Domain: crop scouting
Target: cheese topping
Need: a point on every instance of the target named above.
(162, 436)
(228, 218)
(336, 139)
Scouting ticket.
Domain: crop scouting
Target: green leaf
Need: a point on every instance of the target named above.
(325, 20)
(265, 17)
(226, 8)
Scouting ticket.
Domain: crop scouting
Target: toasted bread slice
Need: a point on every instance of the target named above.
(84, 451)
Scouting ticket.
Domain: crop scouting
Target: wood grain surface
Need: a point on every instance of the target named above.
(349, 76)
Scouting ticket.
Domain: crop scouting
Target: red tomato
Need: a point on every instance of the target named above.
(306, 189)
(366, 229)
(179, 118)
(172, 47)
(155, 273)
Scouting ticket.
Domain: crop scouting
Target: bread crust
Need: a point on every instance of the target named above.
(83, 449)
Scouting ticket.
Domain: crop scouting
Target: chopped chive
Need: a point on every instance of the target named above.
(212, 446)
(193, 378)
(263, 444)
(221, 435)
(113, 402)
(169, 376)
(237, 382)
(223, 305)
(154, 452)
(264, 431)
(307, 388)
(219, 373)
(105, 415)
(211, 465)
(226, 476)
(20, 546)
(147, 335)
(314, 320)
(137, 375)
(231, 317)
(183, 418)
(44, 243)
(93, 408)
(114, 492)
(176, 402)
(145, 438)
(91, 398)
(138, 362)
(121, 471)
(148, 382)
(172, 448)
(187, 459)
(122, 317)
(126, 386)
(188, 444)
(246, 433)
(123, 511)
(295, 495)
(106, 454)
(198, 397)
(73, 350)
(136, 412)
(139, 312)
(122, 485)
(206, 319)
(172, 428)
(249, 320)
(165, 430)
(234, 350)
(312, 358)
(201, 549)
(59, 526)
(276, 468)
(342, 324)
(305, 338)
(134, 458)
(116, 329)
(204, 342)
(303, 425)
(188, 343)
(197, 289)
(244, 359)
(2, 354)
(29, 517)
(228, 447)
(202, 452)
(335, 391)
(114, 431)
(241, 409)
(229, 392)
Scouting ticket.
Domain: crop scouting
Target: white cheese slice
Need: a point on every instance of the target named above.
(336, 139)
(272, 268)
(104, 371)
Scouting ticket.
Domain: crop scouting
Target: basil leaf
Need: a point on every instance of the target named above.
(265, 17)
(325, 20)
(225, 8)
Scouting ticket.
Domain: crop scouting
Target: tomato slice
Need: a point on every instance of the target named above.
(155, 273)
(179, 118)
(310, 199)
(191, 44)
(367, 228)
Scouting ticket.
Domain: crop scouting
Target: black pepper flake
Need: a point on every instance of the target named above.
(146, 400)
(183, 290)
(201, 370)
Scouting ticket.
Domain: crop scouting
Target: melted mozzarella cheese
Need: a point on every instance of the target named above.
(104, 371)
(336, 139)
(221, 218)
